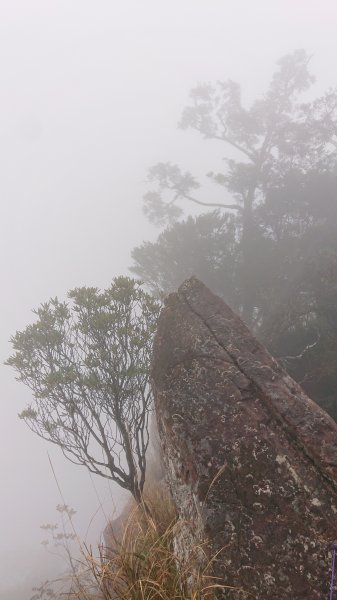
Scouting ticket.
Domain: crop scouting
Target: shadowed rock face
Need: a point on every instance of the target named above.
(250, 459)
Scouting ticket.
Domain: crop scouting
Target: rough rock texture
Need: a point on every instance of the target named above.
(251, 460)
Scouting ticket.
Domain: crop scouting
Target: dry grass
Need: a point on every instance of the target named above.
(141, 565)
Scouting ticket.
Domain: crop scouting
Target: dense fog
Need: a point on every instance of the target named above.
(91, 93)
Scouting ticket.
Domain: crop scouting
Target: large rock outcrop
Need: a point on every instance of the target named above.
(250, 459)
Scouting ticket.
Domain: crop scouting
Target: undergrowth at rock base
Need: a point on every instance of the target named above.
(141, 564)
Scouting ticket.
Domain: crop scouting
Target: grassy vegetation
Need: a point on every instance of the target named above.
(141, 565)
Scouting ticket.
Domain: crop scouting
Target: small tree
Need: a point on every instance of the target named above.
(87, 363)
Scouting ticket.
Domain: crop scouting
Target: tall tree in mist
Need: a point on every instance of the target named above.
(270, 249)
(87, 364)
(275, 136)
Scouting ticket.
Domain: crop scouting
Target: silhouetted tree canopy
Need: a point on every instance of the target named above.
(204, 246)
(270, 249)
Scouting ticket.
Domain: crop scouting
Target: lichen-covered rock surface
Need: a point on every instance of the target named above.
(250, 459)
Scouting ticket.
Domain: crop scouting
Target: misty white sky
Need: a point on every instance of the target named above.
(90, 94)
